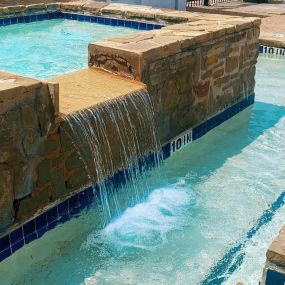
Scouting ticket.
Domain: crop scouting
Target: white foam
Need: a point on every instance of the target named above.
(146, 225)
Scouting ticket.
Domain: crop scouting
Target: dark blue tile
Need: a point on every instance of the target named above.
(149, 26)
(74, 16)
(4, 242)
(107, 21)
(142, 26)
(87, 19)
(45, 16)
(33, 18)
(62, 208)
(80, 18)
(274, 278)
(166, 149)
(52, 225)
(121, 23)
(16, 235)
(17, 245)
(118, 179)
(20, 19)
(41, 17)
(13, 20)
(100, 20)
(73, 202)
(30, 238)
(64, 218)
(135, 25)
(94, 19)
(74, 212)
(6, 22)
(27, 19)
(41, 221)
(4, 254)
(114, 22)
(90, 193)
(1, 22)
(51, 16)
(68, 16)
(42, 231)
(157, 27)
(52, 215)
(128, 23)
(58, 14)
(83, 196)
(29, 227)
(260, 49)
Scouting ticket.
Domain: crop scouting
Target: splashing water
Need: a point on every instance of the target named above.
(111, 136)
(146, 225)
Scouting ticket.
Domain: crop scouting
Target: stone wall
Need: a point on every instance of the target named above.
(72, 156)
(27, 113)
(192, 70)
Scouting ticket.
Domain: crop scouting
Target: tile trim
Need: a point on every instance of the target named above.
(139, 25)
(269, 50)
(82, 201)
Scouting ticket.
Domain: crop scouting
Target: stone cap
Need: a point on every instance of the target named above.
(138, 48)
(89, 87)
(276, 251)
(15, 88)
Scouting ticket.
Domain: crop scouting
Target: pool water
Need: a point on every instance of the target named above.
(213, 210)
(49, 48)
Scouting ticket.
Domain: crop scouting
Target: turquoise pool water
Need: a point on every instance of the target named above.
(49, 48)
(206, 219)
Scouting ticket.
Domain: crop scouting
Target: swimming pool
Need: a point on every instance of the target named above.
(212, 210)
(48, 48)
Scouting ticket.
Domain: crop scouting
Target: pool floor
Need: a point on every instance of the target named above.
(208, 218)
(52, 47)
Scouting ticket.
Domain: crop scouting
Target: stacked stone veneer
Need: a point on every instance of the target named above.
(192, 71)
(27, 113)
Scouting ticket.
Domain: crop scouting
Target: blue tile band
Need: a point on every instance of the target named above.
(139, 25)
(271, 50)
(73, 206)
(274, 278)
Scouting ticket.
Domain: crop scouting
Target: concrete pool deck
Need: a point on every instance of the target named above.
(88, 87)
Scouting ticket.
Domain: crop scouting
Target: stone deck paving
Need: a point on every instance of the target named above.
(4, 3)
(88, 87)
(272, 31)
(241, 8)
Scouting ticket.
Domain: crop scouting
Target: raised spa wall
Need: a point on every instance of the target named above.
(192, 71)
(274, 269)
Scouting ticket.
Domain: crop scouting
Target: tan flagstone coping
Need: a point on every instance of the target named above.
(273, 41)
(122, 10)
(276, 251)
(88, 87)
(10, 87)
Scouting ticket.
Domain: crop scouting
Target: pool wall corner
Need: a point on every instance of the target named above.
(191, 76)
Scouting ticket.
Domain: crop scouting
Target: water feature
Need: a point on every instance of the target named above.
(111, 128)
(213, 209)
